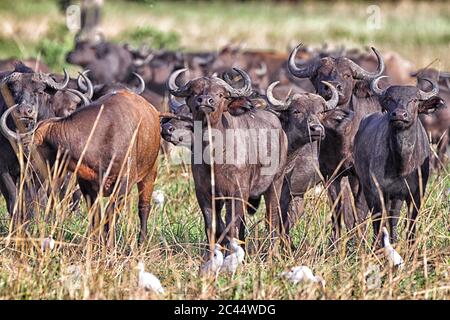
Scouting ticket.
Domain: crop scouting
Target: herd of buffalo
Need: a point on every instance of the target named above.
(352, 120)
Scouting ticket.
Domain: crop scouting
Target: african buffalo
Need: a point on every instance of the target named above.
(108, 62)
(351, 81)
(300, 117)
(120, 154)
(392, 154)
(37, 96)
(235, 177)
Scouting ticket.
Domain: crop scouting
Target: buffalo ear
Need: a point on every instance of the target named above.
(431, 105)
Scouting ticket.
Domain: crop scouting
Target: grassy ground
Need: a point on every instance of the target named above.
(176, 237)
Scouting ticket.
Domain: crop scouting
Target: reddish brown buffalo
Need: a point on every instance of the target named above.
(127, 122)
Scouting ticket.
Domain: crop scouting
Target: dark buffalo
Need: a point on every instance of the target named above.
(392, 154)
(234, 181)
(300, 116)
(108, 62)
(121, 152)
(351, 81)
(37, 96)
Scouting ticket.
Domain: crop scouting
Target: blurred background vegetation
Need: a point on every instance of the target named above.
(419, 30)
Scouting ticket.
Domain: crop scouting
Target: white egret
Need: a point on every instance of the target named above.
(212, 266)
(72, 278)
(149, 281)
(372, 277)
(48, 244)
(302, 274)
(392, 256)
(158, 196)
(235, 258)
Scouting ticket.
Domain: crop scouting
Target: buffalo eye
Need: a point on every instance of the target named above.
(346, 76)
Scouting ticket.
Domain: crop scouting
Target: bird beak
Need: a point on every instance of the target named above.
(240, 241)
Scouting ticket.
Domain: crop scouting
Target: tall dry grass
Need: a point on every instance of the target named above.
(81, 268)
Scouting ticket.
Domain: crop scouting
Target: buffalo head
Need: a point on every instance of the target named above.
(404, 103)
(178, 129)
(341, 72)
(208, 95)
(301, 114)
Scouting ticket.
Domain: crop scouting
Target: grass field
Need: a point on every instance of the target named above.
(419, 31)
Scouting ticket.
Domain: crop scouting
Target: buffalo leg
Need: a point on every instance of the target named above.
(90, 195)
(235, 215)
(413, 209)
(220, 225)
(273, 212)
(395, 207)
(110, 221)
(8, 189)
(145, 188)
(361, 207)
(334, 190)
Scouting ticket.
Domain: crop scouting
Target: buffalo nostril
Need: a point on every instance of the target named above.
(210, 101)
(199, 99)
(393, 114)
(405, 114)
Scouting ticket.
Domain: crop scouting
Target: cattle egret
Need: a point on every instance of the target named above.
(148, 281)
(302, 274)
(394, 259)
(318, 190)
(158, 196)
(372, 277)
(48, 244)
(212, 266)
(234, 259)
(72, 278)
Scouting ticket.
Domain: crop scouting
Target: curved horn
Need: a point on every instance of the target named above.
(7, 132)
(300, 72)
(87, 86)
(262, 70)
(13, 76)
(172, 86)
(427, 95)
(246, 89)
(334, 100)
(141, 84)
(82, 97)
(362, 74)
(55, 85)
(375, 88)
(174, 105)
(277, 104)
